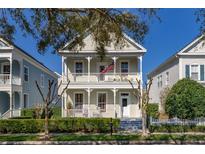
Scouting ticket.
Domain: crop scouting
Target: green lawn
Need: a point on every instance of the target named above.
(18, 137)
(104, 137)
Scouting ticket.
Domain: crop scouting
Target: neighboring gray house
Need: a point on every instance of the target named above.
(18, 73)
(187, 63)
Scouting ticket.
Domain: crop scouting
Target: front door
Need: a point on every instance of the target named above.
(125, 106)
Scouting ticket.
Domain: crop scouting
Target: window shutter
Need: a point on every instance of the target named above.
(202, 72)
(187, 71)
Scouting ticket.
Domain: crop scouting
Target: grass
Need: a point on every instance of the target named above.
(103, 137)
(18, 137)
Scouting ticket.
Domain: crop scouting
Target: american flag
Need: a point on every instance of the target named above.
(108, 68)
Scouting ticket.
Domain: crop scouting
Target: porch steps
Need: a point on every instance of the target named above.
(131, 124)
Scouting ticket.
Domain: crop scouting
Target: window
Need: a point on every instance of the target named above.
(102, 101)
(79, 101)
(26, 73)
(79, 67)
(194, 72)
(167, 78)
(159, 81)
(124, 67)
(5, 68)
(42, 80)
(25, 100)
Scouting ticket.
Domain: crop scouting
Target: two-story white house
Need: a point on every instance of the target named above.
(18, 73)
(189, 62)
(101, 88)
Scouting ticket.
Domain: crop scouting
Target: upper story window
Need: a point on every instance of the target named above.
(167, 78)
(124, 67)
(26, 73)
(79, 67)
(194, 72)
(42, 80)
(159, 81)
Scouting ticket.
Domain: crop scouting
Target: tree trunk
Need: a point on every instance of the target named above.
(144, 123)
(46, 120)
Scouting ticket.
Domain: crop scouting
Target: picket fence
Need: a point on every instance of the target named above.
(177, 121)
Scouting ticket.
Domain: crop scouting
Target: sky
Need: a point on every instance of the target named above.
(176, 29)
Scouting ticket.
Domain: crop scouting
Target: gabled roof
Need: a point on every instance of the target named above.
(6, 44)
(90, 48)
(175, 56)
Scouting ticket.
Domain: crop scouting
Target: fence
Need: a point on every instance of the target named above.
(177, 121)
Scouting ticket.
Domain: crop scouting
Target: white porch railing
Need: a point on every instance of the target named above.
(82, 113)
(99, 77)
(5, 79)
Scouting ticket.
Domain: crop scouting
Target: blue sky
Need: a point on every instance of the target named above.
(177, 28)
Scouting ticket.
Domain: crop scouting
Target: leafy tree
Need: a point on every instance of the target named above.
(55, 27)
(186, 100)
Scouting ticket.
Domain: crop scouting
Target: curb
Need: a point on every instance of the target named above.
(100, 142)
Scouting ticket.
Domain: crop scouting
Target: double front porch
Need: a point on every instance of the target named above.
(110, 103)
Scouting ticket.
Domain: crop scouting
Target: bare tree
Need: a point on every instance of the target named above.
(50, 100)
(143, 96)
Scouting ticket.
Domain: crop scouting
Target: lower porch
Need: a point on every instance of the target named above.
(10, 104)
(110, 103)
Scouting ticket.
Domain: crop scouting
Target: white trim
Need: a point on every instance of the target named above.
(75, 61)
(78, 92)
(25, 66)
(106, 103)
(190, 44)
(27, 105)
(128, 61)
(128, 103)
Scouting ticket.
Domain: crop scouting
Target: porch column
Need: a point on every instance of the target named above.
(89, 91)
(11, 63)
(11, 103)
(89, 59)
(64, 105)
(141, 79)
(64, 69)
(114, 99)
(114, 60)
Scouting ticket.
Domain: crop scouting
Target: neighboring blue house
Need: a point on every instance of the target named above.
(18, 73)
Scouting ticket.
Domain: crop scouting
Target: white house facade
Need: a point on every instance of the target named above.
(92, 93)
(189, 62)
(18, 73)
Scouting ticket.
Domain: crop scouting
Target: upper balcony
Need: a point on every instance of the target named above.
(100, 78)
(112, 71)
(10, 72)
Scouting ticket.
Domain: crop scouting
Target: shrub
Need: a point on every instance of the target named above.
(186, 100)
(152, 110)
(68, 125)
(31, 112)
(22, 117)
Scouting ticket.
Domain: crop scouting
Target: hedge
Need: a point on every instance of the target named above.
(29, 112)
(176, 128)
(67, 125)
